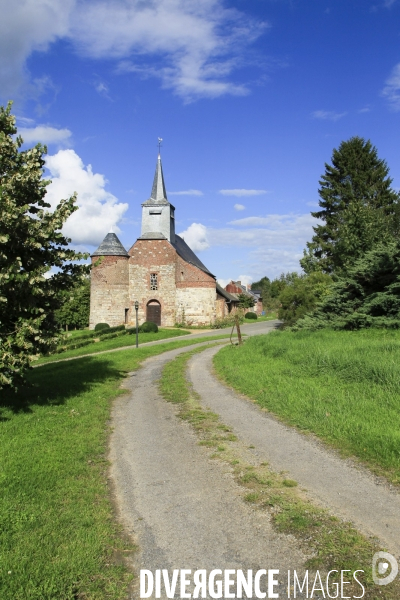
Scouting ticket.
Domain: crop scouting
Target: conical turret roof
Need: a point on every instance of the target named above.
(110, 246)
(158, 191)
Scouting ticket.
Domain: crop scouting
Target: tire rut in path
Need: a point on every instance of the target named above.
(184, 510)
(347, 490)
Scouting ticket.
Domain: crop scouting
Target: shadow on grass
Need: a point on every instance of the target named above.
(54, 384)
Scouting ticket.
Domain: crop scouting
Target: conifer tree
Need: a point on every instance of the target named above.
(31, 244)
(358, 208)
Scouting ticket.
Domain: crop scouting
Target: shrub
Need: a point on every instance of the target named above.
(148, 327)
(110, 336)
(101, 326)
(112, 329)
(250, 315)
(67, 341)
(228, 321)
(73, 346)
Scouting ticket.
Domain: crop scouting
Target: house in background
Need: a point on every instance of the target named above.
(235, 288)
(160, 272)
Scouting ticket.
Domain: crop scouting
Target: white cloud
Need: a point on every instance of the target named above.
(199, 43)
(45, 134)
(194, 47)
(223, 282)
(239, 206)
(186, 193)
(275, 243)
(328, 115)
(391, 91)
(26, 26)
(388, 3)
(99, 210)
(241, 192)
(196, 237)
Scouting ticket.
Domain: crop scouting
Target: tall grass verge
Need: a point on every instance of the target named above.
(330, 543)
(342, 386)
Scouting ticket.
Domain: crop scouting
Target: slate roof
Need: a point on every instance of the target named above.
(188, 255)
(225, 294)
(110, 246)
(158, 191)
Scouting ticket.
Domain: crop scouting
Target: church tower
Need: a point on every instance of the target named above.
(109, 283)
(158, 215)
(160, 273)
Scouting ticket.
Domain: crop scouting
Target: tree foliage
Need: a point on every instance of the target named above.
(301, 296)
(368, 295)
(358, 208)
(245, 301)
(31, 243)
(75, 308)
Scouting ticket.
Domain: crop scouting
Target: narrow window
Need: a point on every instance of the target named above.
(153, 281)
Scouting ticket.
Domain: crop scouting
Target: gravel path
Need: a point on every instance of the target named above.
(184, 510)
(347, 490)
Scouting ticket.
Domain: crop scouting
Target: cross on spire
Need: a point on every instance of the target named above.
(159, 145)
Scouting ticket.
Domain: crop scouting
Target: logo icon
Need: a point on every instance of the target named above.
(384, 568)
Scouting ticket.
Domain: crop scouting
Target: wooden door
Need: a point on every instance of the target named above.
(154, 313)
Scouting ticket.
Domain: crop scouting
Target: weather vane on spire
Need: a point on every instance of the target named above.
(159, 145)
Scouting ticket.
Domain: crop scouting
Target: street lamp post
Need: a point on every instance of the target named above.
(137, 326)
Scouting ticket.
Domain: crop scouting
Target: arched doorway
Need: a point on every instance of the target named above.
(153, 312)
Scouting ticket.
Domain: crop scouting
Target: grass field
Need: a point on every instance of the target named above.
(58, 538)
(330, 543)
(342, 386)
(117, 342)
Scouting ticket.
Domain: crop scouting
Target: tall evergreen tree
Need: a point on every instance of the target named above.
(358, 208)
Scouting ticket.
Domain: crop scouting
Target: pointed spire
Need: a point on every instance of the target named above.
(110, 246)
(158, 191)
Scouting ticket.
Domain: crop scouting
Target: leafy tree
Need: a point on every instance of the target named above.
(264, 285)
(279, 284)
(31, 243)
(301, 296)
(358, 208)
(245, 301)
(368, 295)
(75, 307)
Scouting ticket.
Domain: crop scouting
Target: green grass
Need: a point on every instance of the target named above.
(117, 342)
(58, 537)
(330, 543)
(342, 386)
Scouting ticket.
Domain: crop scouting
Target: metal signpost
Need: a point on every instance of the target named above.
(137, 326)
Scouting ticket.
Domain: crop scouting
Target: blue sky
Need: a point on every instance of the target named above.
(249, 96)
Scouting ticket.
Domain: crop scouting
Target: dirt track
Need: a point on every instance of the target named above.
(186, 512)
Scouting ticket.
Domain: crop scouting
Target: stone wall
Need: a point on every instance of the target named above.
(197, 304)
(221, 307)
(108, 290)
(195, 294)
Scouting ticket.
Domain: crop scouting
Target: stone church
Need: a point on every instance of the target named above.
(160, 272)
